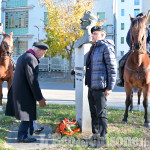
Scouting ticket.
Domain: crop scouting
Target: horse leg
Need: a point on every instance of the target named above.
(139, 96)
(145, 104)
(1, 95)
(128, 102)
(131, 105)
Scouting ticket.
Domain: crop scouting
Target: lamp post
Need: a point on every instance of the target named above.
(38, 30)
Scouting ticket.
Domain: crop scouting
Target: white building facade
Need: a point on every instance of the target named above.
(117, 15)
(122, 10)
(26, 19)
(103, 9)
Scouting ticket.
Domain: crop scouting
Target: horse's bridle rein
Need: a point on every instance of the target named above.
(139, 46)
(6, 52)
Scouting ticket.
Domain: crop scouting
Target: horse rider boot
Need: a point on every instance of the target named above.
(122, 62)
(13, 63)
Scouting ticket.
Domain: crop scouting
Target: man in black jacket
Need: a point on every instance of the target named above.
(25, 90)
(101, 71)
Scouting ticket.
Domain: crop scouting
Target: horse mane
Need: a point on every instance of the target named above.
(137, 23)
(3, 40)
(6, 36)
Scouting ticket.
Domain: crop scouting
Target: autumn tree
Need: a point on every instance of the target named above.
(63, 25)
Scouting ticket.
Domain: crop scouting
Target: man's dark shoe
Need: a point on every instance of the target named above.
(92, 143)
(100, 143)
(27, 140)
(97, 143)
(38, 130)
(94, 137)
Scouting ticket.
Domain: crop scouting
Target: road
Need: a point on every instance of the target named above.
(57, 92)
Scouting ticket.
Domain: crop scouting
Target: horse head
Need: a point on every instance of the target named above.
(6, 45)
(138, 33)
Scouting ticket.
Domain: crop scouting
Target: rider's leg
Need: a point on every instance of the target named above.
(121, 69)
(13, 63)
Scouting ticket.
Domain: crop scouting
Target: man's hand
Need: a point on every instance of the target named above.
(107, 92)
(42, 103)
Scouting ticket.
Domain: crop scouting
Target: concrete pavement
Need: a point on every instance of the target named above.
(62, 92)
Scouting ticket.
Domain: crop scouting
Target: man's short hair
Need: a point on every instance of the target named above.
(140, 14)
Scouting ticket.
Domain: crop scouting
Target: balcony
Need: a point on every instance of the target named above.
(16, 3)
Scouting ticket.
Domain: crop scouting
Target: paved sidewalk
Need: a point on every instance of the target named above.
(43, 141)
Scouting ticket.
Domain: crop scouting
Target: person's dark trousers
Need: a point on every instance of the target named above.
(23, 129)
(97, 104)
(122, 62)
(13, 63)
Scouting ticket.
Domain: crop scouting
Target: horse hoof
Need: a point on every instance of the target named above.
(147, 125)
(131, 111)
(124, 122)
(1, 108)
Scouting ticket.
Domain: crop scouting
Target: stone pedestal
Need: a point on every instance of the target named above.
(81, 91)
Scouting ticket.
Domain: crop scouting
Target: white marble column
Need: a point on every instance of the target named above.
(81, 91)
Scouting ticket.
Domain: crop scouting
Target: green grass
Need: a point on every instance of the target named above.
(5, 123)
(52, 114)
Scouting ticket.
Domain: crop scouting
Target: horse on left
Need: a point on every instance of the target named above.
(6, 67)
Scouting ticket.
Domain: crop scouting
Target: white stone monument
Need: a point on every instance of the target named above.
(82, 47)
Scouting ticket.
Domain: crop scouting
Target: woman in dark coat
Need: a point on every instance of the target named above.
(25, 90)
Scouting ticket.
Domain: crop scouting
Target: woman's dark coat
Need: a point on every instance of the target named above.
(25, 90)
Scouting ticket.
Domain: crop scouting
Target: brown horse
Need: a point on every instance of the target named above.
(6, 68)
(137, 68)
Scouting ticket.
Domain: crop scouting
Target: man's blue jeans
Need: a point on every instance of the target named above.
(23, 129)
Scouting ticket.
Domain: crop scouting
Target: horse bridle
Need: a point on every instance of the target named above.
(7, 52)
(138, 46)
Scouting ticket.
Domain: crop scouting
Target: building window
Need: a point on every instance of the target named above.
(136, 2)
(16, 3)
(16, 19)
(101, 16)
(122, 0)
(122, 12)
(19, 46)
(122, 26)
(136, 12)
(122, 40)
